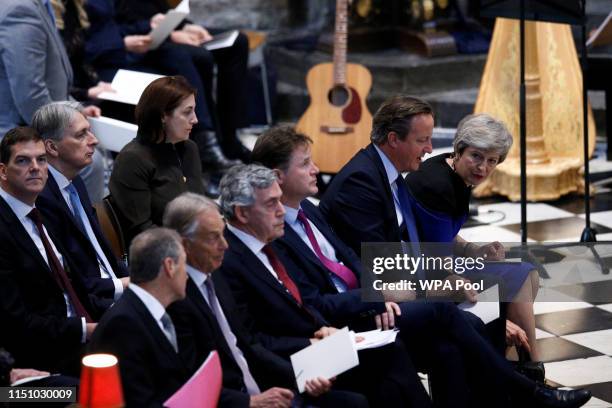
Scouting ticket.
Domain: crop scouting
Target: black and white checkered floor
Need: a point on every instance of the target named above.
(574, 330)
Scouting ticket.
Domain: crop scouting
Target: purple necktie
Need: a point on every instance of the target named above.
(341, 271)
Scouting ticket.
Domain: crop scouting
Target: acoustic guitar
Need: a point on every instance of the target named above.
(337, 118)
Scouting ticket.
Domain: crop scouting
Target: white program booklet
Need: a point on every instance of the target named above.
(374, 338)
(112, 134)
(128, 86)
(327, 358)
(172, 19)
(221, 40)
(487, 306)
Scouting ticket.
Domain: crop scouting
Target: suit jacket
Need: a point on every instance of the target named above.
(194, 317)
(59, 218)
(151, 371)
(358, 204)
(104, 45)
(34, 67)
(339, 308)
(275, 318)
(32, 306)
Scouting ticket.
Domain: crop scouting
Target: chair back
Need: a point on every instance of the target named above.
(111, 227)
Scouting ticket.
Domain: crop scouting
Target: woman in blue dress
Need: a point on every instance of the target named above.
(440, 193)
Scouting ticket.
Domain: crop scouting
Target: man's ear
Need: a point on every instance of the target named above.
(280, 176)
(169, 267)
(51, 148)
(242, 214)
(3, 169)
(392, 139)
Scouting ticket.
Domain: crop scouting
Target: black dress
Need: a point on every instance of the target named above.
(147, 176)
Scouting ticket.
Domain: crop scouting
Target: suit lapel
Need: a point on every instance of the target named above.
(152, 327)
(21, 235)
(258, 269)
(54, 191)
(372, 154)
(194, 294)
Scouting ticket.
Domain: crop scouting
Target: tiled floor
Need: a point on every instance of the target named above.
(574, 308)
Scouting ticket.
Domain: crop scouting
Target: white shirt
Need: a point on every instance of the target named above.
(326, 248)
(21, 211)
(106, 271)
(392, 174)
(255, 246)
(200, 278)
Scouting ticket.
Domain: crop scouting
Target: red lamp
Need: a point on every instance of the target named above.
(100, 382)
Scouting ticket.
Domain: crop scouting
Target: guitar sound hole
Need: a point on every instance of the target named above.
(338, 95)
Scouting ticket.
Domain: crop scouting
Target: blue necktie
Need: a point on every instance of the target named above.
(75, 201)
(407, 214)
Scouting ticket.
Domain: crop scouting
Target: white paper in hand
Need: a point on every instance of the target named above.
(327, 358)
(375, 338)
(171, 20)
(128, 86)
(487, 306)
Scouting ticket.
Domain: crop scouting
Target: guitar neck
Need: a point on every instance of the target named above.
(340, 42)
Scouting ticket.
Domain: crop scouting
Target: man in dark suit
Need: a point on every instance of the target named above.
(361, 202)
(64, 202)
(437, 334)
(268, 291)
(210, 313)
(45, 312)
(137, 328)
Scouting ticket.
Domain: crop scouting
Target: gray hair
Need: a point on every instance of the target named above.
(182, 212)
(148, 251)
(51, 120)
(239, 184)
(484, 132)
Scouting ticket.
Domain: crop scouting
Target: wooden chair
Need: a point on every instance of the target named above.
(111, 227)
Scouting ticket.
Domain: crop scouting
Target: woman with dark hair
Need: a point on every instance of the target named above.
(161, 162)
(440, 193)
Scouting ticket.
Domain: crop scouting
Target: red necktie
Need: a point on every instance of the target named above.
(341, 271)
(282, 274)
(57, 269)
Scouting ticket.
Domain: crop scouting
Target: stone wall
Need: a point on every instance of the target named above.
(268, 15)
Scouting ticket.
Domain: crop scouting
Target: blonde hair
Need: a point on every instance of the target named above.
(59, 10)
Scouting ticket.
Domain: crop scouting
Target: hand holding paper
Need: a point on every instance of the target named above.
(327, 358)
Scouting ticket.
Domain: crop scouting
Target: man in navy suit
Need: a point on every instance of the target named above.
(437, 334)
(45, 312)
(209, 313)
(139, 331)
(70, 146)
(361, 203)
(269, 292)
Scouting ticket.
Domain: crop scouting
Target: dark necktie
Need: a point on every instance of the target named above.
(57, 269)
(407, 214)
(341, 271)
(282, 274)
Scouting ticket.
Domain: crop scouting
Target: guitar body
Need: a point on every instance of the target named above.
(337, 119)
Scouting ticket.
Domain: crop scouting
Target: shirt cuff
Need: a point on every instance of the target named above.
(84, 326)
(118, 289)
